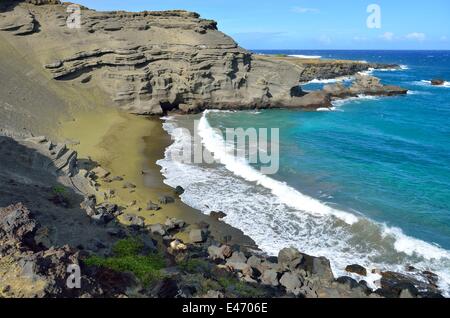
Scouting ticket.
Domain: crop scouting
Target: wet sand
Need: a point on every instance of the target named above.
(129, 146)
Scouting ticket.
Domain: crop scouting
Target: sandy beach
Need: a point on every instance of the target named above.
(128, 146)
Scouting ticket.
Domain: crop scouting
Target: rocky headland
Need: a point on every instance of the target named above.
(58, 208)
(154, 62)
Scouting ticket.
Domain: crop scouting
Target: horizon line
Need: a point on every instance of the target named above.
(424, 50)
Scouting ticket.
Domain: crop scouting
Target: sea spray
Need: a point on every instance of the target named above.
(264, 215)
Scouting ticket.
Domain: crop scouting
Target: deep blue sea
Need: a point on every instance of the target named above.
(367, 182)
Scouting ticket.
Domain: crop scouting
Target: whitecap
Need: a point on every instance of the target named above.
(340, 102)
(274, 220)
(329, 80)
(325, 109)
(428, 84)
(215, 144)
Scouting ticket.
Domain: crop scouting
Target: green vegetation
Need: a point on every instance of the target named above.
(280, 55)
(59, 190)
(127, 259)
(240, 288)
(60, 196)
(195, 265)
(128, 247)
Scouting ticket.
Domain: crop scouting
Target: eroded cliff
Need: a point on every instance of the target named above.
(152, 62)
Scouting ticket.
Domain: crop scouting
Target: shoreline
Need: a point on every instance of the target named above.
(103, 77)
(111, 138)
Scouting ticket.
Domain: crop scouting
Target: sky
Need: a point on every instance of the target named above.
(315, 24)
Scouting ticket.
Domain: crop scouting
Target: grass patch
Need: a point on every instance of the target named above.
(195, 265)
(147, 268)
(128, 247)
(240, 288)
(59, 190)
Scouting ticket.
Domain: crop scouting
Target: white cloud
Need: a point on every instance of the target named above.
(444, 38)
(388, 36)
(305, 10)
(416, 36)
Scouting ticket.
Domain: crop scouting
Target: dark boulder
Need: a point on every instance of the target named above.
(16, 223)
(167, 288)
(437, 82)
(356, 269)
(217, 215)
(179, 190)
(396, 282)
(345, 280)
(318, 266)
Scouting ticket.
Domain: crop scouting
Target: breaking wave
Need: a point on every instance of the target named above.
(276, 215)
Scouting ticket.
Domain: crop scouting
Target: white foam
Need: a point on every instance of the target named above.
(361, 97)
(368, 72)
(428, 84)
(351, 78)
(300, 56)
(326, 109)
(411, 246)
(402, 68)
(215, 144)
(330, 80)
(273, 224)
(410, 92)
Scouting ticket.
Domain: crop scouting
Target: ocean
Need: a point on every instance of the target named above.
(367, 182)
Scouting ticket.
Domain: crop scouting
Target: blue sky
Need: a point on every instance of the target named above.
(314, 24)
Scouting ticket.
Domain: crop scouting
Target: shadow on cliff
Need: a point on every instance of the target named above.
(8, 5)
(26, 183)
(26, 177)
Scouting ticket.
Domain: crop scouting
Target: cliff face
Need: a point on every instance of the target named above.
(151, 62)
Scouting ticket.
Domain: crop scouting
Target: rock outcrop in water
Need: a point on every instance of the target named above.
(153, 62)
(437, 82)
(363, 85)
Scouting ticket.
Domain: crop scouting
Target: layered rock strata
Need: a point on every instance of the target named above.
(153, 62)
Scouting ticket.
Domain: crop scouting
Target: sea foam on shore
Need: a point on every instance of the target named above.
(276, 215)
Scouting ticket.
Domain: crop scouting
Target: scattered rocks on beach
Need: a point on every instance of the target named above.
(134, 220)
(179, 190)
(197, 236)
(217, 215)
(129, 185)
(216, 73)
(158, 229)
(103, 213)
(100, 172)
(166, 199)
(152, 206)
(174, 224)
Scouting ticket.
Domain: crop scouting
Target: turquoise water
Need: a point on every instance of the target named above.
(385, 161)
(388, 159)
